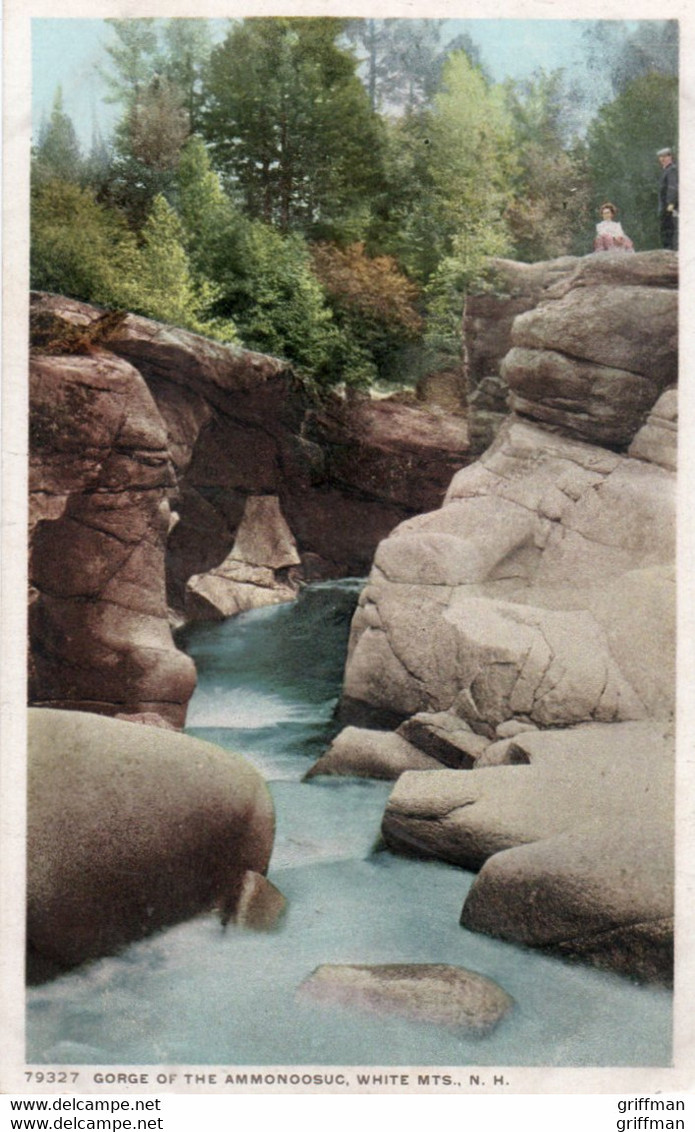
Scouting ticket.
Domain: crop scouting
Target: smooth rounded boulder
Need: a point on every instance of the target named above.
(130, 829)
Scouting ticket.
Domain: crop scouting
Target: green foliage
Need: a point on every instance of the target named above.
(79, 248)
(551, 211)
(279, 306)
(472, 159)
(407, 220)
(402, 208)
(472, 166)
(290, 127)
(622, 145)
(165, 287)
(82, 249)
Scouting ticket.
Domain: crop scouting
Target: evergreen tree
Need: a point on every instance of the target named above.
(290, 126)
(156, 125)
(58, 154)
(184, 61)
(98, 165)
(147, 148)
(166, 287)
(214, 228)
(133, 57)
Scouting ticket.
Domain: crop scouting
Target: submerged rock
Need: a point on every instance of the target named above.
(130, 829)
(433, 993)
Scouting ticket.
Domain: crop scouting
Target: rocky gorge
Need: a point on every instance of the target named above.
(511, 662)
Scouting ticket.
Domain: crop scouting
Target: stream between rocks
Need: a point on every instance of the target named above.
(196, 994)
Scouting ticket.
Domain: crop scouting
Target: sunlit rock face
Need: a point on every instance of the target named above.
(539, 600)
(543, 590)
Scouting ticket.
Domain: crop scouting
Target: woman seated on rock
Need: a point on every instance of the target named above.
(609, 232)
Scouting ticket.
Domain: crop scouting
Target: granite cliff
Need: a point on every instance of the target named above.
(522, 636)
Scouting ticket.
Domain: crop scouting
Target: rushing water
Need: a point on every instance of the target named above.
(198, 994)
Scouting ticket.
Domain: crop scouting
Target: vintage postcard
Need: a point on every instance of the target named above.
(347, 739)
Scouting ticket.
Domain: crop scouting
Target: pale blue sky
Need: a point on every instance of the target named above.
(66, 53)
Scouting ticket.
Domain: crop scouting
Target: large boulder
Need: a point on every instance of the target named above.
(132, 828)
(589, 776)
(575, 849)
(604, 896)
(517, 598)
(509, 289)
(100, 479)
(593, 342)
(595, 360)
(255, 573)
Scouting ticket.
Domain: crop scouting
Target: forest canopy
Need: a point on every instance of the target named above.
(327, 189)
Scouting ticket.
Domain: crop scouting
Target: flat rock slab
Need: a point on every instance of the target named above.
(421, 992)
(364, 753)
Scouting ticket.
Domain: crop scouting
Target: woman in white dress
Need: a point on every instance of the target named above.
(609, 232)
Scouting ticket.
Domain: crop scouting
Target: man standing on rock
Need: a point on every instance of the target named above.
(668, 199)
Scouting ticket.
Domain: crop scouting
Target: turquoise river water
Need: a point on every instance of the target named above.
(197, 994)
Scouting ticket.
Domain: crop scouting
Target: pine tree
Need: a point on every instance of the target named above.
(290, 127)
(165, 287)
(184, 61)
(58, 154)
(133, 57)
